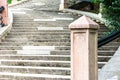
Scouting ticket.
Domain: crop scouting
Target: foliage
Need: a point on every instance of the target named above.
(9, 1)
(96, 1)
(72, 2)
(110, 10)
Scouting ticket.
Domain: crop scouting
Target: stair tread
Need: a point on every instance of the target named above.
(34, 75)
(32, 61)
(39, 55)
(35, 67)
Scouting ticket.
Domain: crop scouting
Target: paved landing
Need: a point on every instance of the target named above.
(111, 71)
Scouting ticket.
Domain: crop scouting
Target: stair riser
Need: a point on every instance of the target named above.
(35, 58)
(113, 44)
(37, 37)
(103, 59)
(106, 53)
(44, 31)
(30, 33)
(20, 48)
(100, 59)
(36, 71)
(40, 64)
(40, 25)
(36, 30)
(31, 78)
(100, 66)
(52, 52)
(43, 64)
(10, 48)
(114, 48)
(43, 22)
(22, 20)
(36, 44)
(38, 40)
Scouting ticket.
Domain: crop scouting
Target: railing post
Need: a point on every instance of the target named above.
(5, 12)
(84, 34)
(63, 4)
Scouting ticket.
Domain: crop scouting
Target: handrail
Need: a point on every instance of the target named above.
(108, 38)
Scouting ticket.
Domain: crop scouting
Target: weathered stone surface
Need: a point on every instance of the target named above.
(111, 71)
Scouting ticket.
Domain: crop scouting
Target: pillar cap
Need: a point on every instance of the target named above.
(84, 22)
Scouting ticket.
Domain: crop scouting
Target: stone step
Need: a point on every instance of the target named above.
(101, 64)
(22, 76)
(30, 26)
(104, 58)
(36, 57)
(109, 47)
(49, 21)
(32, 43)
(21, 47)
(36, 70)
(27, 30)
(4, 78)
(10, 48)
(113, 44)
(37, 40)
(25, 25)
(39, 33)
(41, 36)
(42, 52)
(38, 36)
(47, 57)
(43, 63)
(17, 22)
(17, 19)
(21, 16)
(43, 33)
(34, 25)
(106, 53)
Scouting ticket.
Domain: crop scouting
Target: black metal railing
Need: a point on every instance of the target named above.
(109, 38)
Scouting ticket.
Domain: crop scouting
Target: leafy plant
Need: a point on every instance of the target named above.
(110, 11)
(9, 1)
(96, 1)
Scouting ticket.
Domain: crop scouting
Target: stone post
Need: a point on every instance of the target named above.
(84, 33)
(63, 4)
(5, 12)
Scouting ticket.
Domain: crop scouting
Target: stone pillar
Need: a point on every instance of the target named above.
(63, 4)
(5, 12)
(84, 33)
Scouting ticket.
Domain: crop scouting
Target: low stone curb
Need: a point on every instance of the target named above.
(6, 29)
(18, 3)
(89, 14)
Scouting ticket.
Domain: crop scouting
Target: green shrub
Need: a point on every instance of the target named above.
(110, 10)
(9, 1)
(96, 1)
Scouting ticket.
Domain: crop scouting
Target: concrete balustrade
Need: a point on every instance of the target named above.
(84, 33)
(63, 4)
(14, 1)
(5, 12)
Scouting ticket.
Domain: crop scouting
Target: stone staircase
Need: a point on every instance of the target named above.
(40, 49)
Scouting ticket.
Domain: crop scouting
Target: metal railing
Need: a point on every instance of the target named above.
(109, 38)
